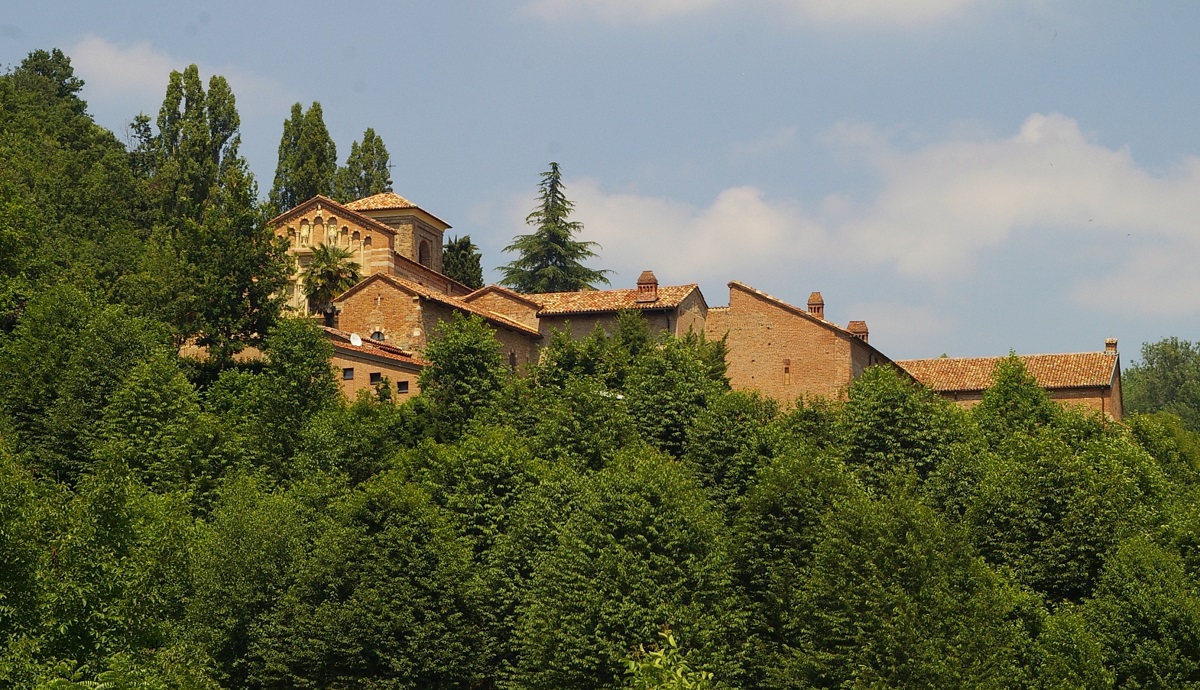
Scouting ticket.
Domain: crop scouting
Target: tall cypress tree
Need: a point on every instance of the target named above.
(461, 261)
(551, 258)
(366, 169)
(307, 159)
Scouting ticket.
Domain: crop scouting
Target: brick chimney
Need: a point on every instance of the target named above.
(816, 305)
(1110, 346)
(647, 287)
(858, 329)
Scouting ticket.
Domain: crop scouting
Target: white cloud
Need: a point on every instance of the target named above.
(133, 78)
(943, 206)
(735, 236)
(138, 71)
(823, 12)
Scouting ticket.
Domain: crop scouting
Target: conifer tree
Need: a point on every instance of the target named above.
(366, 169)
(550, 259)
(307, 159)
(461, 261)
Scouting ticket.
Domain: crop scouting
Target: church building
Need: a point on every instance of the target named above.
(781, 350)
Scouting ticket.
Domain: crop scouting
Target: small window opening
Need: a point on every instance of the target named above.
(377, 335)
(348, 374)
(512, 361)
(376, 378)
(402, 386)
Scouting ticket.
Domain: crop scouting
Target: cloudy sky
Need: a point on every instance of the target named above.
(968, 176)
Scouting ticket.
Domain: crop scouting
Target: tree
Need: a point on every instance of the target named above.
(461, 261)
(1166, 380)
(551, 259)
(366, 170)
(307, 159)
(464, 374)
(331, 272)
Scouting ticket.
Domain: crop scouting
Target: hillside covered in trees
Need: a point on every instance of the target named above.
(173, 523)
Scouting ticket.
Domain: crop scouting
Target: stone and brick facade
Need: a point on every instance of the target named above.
(781, 350)
(786, 352)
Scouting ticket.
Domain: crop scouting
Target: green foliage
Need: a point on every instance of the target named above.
(641, 520)
(464, 374)
(897, 598)
(1147, 613)
(307, 159)
(386, 599)
(1014, 403)
(666, 388)
(1051, 512)
(663, 668)
(366, 170)
(58, 369)
(462, 261)
(331, 272)
(892, 427)
(550, 259)
(1166, 380)
(730, 439)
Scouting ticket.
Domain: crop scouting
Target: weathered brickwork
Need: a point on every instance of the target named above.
(783, 351)
(356, 372)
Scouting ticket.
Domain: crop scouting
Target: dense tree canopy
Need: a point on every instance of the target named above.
(173, 523)
(550, 259)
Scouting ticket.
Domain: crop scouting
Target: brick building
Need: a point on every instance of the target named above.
(781, 350)
(1091, 380)
(786, 352)
(363, 365)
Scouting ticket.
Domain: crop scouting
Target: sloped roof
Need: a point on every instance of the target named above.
(380, 202)
(969, 374)
(497, 289)
(600, 301)
(435, 296)
(372, 347)
(336, 209)
(389, 201)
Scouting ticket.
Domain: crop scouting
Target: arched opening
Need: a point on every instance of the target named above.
(377, 335)
(423, 254)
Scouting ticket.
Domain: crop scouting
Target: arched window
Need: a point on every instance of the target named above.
(377, 335)
(367, 241)
(423, 254)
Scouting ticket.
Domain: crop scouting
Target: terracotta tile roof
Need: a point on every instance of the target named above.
(380, 202)
(510, 294)
(434, 295)
(371, 347)
(591, 301)
(1079, 370)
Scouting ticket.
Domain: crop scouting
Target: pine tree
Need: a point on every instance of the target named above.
(307, 159)
(461, 261)
(551, 259)
(366, 169)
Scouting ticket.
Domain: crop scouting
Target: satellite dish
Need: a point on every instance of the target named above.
(356, 340)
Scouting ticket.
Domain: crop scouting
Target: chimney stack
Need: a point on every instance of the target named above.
(858, 329)
(647, 287)
(816, 305)
(1110, 346)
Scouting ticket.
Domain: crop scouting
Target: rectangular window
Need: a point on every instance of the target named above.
(376, 378)
(402, 386)
(348, 374)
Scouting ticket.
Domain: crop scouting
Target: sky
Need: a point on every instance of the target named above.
(968, 176)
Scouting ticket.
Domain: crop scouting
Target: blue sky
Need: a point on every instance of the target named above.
(968, 176)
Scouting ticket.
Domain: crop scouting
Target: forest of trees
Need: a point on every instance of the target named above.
(614, 517)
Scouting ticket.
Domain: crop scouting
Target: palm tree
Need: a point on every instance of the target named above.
(330, 273)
